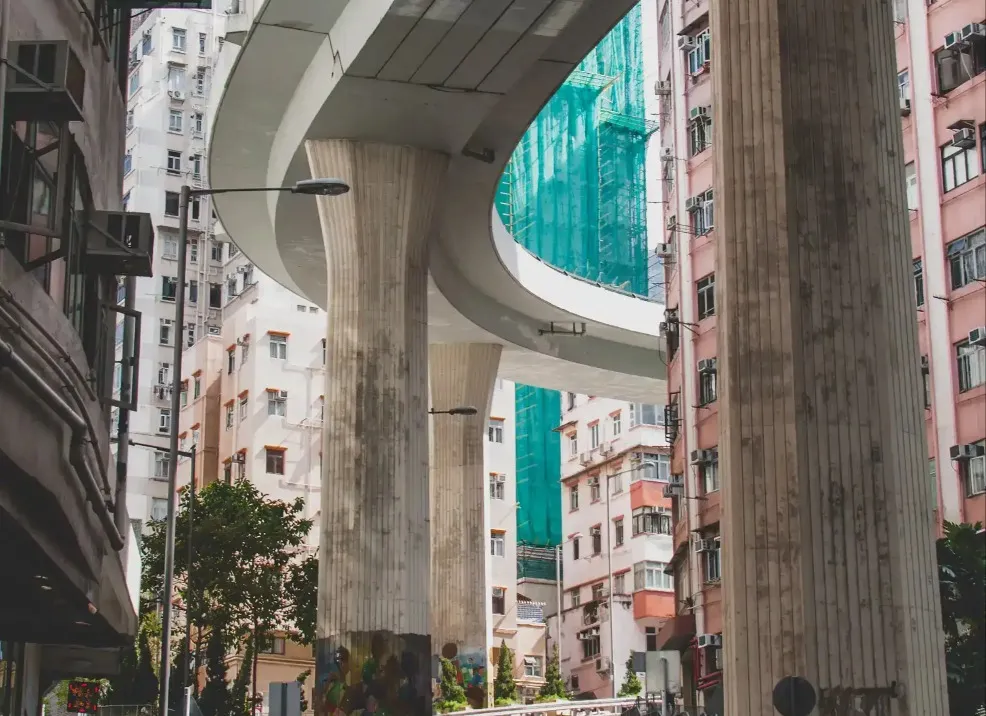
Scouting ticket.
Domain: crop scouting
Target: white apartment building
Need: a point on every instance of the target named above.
(171, 58)
(515, 619)
(616, 521)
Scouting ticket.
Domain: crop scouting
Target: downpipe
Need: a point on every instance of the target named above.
(80, 434)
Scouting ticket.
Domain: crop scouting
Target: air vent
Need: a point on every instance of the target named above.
(59, 95)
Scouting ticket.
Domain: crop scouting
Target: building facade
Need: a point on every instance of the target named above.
(942, 94)
(170, 65)
(617, 527)
(68, 555)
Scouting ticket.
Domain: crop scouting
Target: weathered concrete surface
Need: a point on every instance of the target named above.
(374, 555)
(461, 374)
(829, 568)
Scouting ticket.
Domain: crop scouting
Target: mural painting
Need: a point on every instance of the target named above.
(471, 668)
(378, 674)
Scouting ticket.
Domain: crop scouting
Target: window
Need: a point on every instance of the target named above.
(702, 214)
(706, 290)
(616, 480)
(571, 400)
(159, 509)
(596, 535)
(165, 332)
(128, 163)
(957, 65)
(699, 135)
(199, 79)
(176, 78)
(651, 520)
(202, 40)
(198, 123)
(215, 251)
(184, 394)
(700, 57)
(573, 444)
(229, 416)
(971, 365)
(275, 461)
(590, 643)
(132, 88)
(178, 39)
(616, 423)
(619, 584)
(228, 472)
(273, 645)
(193, 251)
(190, 332)
(215, 295)
(494, 430)
(576, 548)
(279, 347)
(497, 544)
(194, 208)
(169, 288)
(130, 115)
(597, 592)
(911, 186)
(164, 373)
(499, 601)
(926, 381)
(958, 166)
(196, 386)
(575, 597)
(243, 407)
(651, 638)
(975, 471)
(650, 575)
(594, 436)
(645, 414)
(170, 203)
(164, 420)
(230, 361)
(709, 473)
(244, 350)
(573, 498)
(498, 484)
(594, 491)
(618, 531)
(300, 308)
(967, 259)
(707, 385)
(904, 84)
(175, 120)
(196, 162)
(162, 463)
(174, 162)
(711, 563)
(146, 44)
(533, 666)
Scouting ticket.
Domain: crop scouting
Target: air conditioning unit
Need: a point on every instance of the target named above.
(60, 97)
(662, 327)
(698, 113)
(670, 223)
(953, 39)
(605, 448)
(664, 251)
(282, 394)
(694, 203)
(707, 365)
(963, 138)
(667, 153)
(924, 364)
(662, 88)
(602, 666)
(585, 458)
(905, 107)
(700, 545)
(976, 29)
(704, 641)
(677, 480)
(686, 42)
(246, 268)
(672, 491)
(215, 330)
(177, 95)
(964, 452)
(977, 336)
(119, 243)
(701, 457)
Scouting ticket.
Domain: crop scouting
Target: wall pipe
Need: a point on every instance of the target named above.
(77, 451)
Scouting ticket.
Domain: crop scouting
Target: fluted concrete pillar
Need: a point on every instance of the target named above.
(462, 374)
(829, 563)
(374, 650)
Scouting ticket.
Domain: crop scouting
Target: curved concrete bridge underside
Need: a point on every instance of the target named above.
(458, 77)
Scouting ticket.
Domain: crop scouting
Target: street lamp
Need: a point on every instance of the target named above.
(308, 187)
(461, 410)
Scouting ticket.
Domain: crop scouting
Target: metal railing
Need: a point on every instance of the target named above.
(599, 707)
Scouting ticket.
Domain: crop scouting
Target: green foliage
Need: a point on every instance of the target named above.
(301, 679)
(59, 694)
(631, 684)
(215, 699)
(240, 691)
(302, 592)
(554, 688)
(453, 695)
(504, 686)
(962, 583)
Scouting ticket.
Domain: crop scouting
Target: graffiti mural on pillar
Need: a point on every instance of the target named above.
(378, 674)
(470, 670)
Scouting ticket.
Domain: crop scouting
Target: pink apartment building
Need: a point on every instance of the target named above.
(941, 56)
(616, 520)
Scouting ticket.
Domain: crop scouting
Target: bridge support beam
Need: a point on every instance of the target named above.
(462, 374)
(827, 534)
(374, 648)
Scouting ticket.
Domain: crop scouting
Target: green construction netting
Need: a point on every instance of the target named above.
(574, 194)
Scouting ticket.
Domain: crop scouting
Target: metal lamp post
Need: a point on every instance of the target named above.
(311, 187)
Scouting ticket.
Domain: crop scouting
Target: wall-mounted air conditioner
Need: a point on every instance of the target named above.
(664, 251)
(964, 138)
(707, 365)
(905, 107)
(51, 87)
(662, 88)
(964, 452)
(686, 42)
(704, 641)
(977, 336)
(119, 243)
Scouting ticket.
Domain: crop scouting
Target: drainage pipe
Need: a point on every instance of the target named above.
(80, 437)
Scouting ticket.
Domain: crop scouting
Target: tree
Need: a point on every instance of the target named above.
(453, 695)
(302, 591)
(240, 691)
(301, 679)
(554, 688)
(504, 686)
(962, 583)
(631, 684)
(215, 697)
